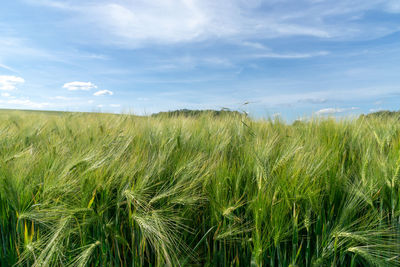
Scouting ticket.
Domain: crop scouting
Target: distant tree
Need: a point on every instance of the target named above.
(382, 114)
(196, 113)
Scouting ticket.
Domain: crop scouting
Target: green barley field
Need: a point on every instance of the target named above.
(81, 189)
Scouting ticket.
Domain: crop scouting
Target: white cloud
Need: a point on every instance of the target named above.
(115, 105)
(9, 83)
(5, 95)
(90, 101)
(74, 86)
(330, 111)
(103, 92)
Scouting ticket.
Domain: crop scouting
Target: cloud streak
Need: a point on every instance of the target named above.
(79, 86)
(2, 66)
(313, 100)
(291, 56)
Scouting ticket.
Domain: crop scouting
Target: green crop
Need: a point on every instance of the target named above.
(119, 190)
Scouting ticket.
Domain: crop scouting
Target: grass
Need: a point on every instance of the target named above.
(115, 190)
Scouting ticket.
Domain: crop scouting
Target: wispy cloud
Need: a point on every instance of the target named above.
(9, 83)
(291, 55)
(52, 3)
(135, 22)
(393, 6)
(331, 111)
(75, 86)
(313, 100)
(333, 95)
(103, 92)
(60, 97)
(25, 103)
(255, 45)
(12, 46)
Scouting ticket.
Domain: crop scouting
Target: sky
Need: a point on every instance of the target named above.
(287, 58)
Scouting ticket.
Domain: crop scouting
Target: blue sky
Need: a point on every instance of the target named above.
(295, 58)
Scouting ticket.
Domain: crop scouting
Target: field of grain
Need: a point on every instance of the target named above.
(82, 189)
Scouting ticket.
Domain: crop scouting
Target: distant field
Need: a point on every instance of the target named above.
(81, 189)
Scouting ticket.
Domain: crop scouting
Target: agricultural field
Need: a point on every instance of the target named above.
(86, 189)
